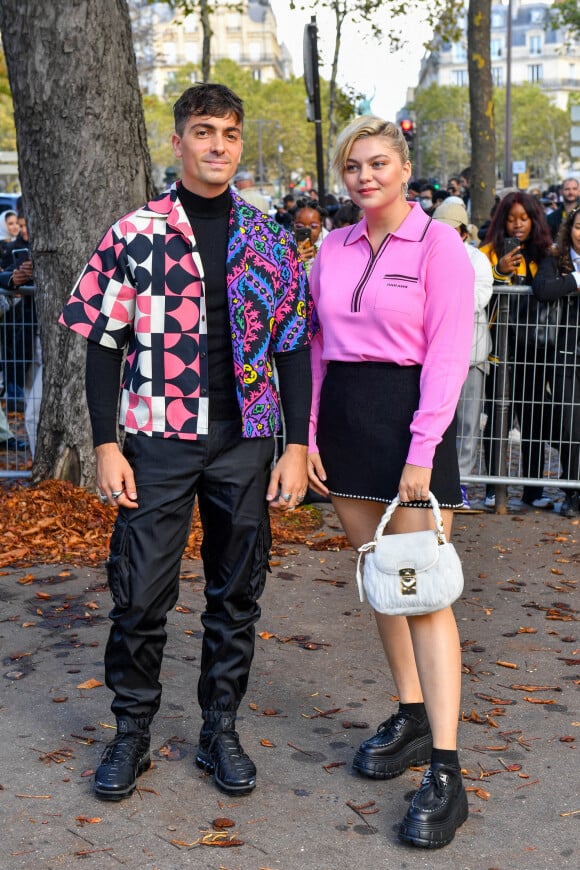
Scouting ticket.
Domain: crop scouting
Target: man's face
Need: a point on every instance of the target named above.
(210, 150)
(570, 191)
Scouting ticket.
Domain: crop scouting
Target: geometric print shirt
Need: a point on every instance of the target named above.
(143, 291)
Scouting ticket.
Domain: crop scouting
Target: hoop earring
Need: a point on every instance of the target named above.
(404, 190)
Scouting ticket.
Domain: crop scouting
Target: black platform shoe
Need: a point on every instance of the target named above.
(399, 742)
(220, 752)
(124, 759)
(436, 810)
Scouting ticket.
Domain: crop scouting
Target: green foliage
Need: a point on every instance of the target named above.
(442, 145)
(7, 129)
(540, 130)
(566, 14)
(275, 121)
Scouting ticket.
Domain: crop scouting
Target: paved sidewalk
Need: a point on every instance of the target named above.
(319, 686)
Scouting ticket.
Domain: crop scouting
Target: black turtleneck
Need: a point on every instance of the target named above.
(209, 219)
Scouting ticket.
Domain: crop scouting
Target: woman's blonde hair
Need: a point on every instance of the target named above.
(360, 128)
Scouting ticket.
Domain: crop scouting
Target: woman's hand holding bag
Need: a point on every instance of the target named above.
(412, 573)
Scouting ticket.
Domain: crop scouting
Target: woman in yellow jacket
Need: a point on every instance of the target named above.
(517, 241)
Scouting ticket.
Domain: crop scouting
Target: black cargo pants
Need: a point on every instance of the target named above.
(229, 475)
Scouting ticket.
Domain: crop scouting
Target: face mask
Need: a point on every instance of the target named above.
(426, 203)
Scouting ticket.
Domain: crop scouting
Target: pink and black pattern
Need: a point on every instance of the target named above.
(143, 289)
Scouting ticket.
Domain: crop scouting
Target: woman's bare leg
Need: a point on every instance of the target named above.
(359, 520)
(423, 652)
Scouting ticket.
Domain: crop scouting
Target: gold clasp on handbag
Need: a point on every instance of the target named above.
(408, 581)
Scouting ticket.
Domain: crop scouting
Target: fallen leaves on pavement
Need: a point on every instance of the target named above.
(56, 522)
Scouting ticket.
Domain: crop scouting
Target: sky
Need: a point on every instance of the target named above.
(363, 64)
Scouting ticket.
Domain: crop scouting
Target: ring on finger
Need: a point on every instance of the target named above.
(287, 496)
(116, 493)
(102, 497)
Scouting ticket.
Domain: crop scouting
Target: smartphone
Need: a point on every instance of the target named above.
(20, 256)
(510, 244)
(302, 233)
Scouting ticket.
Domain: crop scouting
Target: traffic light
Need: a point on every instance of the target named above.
(408, 130)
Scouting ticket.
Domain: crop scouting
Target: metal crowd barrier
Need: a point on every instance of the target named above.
(529, 420)
(20, 382)
(530, 413)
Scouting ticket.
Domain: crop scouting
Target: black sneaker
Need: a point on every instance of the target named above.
(399, 742)
(124, 759)
(221, 754)
(436, 810)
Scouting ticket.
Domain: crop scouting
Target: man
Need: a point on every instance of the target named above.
(454, 186)
(205, 292)
(570, 201)
(245, 186)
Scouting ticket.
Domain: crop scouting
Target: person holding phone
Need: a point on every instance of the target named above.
(308, 232)
(517, 241)
(558, 280)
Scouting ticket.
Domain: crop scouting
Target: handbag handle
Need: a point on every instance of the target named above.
(362, 551)
(441, 539)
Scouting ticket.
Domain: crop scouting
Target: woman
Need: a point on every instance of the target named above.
(392, 353)
(9, 229)
(517, 241)
(558, 278)
(309, 232)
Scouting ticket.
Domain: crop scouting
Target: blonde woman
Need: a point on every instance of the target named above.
(395, 301)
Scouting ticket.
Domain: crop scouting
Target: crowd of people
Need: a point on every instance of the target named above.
(19, 343)
(536, 226)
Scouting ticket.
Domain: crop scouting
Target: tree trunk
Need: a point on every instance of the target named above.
(205, 16)
(83, 162)
(482, 129)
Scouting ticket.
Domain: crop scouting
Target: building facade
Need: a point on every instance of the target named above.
(244, 32)
(539, 55)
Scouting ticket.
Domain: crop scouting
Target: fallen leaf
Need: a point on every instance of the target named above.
(221, 823)
(266, 635)
(265, 742)
(524, 688)
(479, 792)
(90, 684)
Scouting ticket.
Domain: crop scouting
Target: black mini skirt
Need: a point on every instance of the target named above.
(363, 434)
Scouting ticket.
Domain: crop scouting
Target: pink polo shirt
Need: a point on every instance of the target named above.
(411, 304)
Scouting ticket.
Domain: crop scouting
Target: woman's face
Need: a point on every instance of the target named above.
(374, 174)
(12, 225)
(518, 223)
(575, 233)
(309, 217)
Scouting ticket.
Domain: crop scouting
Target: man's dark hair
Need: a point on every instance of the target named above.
(213, 100)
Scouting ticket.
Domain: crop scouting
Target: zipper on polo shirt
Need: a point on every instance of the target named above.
(360, 287)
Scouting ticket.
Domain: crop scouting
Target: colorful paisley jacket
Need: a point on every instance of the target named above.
(143, 290)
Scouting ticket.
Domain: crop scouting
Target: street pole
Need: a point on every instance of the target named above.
(314, 111)
(507, 171)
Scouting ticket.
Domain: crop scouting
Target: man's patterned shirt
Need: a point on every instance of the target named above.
(143, 289)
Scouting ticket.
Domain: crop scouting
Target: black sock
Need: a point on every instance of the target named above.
(417, 711)
(448, 757)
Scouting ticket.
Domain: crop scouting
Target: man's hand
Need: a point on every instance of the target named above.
(289, 478)
(115, 479)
